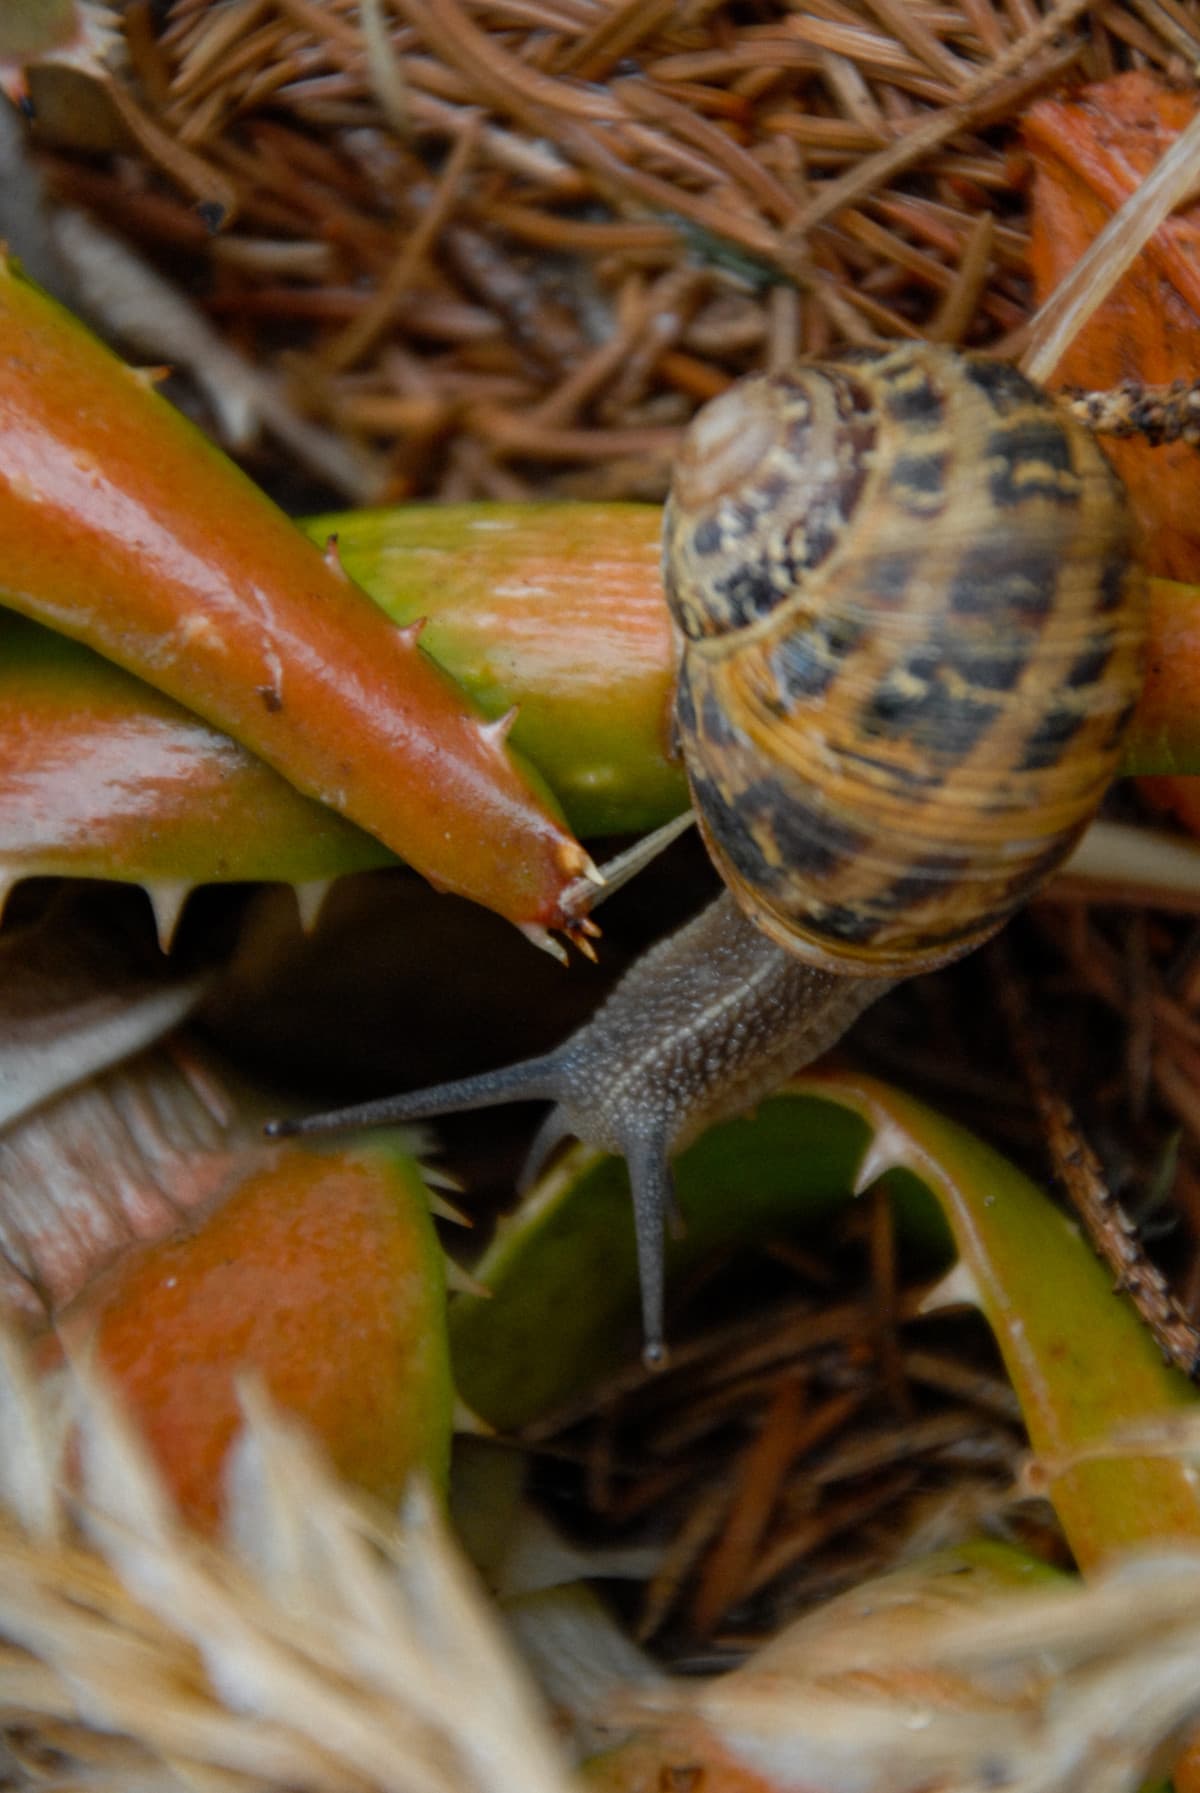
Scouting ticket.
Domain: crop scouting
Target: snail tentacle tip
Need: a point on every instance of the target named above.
(531, 1080)
(653, 1190)
(281, 1129)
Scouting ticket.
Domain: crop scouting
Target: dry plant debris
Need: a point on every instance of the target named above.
(322, 1646)
(509, 247)
(798, 1445)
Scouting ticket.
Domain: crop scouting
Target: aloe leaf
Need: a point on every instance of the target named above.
(103, 777)
(557, 608)
(121, 526)
(573, 633)
(317, 1274)
(563, 1285)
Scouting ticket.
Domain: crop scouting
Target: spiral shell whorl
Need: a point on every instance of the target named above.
(911, 647)
(765, 485)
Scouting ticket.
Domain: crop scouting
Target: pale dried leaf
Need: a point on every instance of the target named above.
(580, 1658)
(146, 1658)
(930, 1677)
(1113, 252)
(509, 1744)
(33, 1426)
(84, 35)
(116, 1472)
(117, 1162)
(308, 1539)
(72, 1002)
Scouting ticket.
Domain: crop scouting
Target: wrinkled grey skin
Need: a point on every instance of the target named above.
(701, 1027)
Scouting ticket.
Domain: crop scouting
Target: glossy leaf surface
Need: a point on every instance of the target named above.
(557, 608)
(121, 526)
(318, 1274)
(103, 777)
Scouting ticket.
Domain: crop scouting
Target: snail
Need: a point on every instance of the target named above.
(911, 642)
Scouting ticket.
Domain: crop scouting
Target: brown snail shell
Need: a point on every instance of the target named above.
(912, 643)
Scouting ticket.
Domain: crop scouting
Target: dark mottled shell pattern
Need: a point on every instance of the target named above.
(912, 644)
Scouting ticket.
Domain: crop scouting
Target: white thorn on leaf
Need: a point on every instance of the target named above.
(496, 732)
(958, 1288)
(544, 940)
(167, 897)
(310, 900)
(461, 1282)
(887, 1150)
(467, 1422)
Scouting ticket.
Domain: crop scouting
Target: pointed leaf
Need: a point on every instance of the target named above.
(318, 1274)
(122, 527)
(563, 1285)
(556, 608)
(103, 777)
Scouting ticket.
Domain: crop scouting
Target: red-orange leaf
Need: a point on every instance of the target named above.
(1090, 152)
(319, 1275)
(121, 526)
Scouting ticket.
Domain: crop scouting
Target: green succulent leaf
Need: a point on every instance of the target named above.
(563, 1303)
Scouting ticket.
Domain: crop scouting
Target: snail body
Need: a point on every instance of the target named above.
(911, 642)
